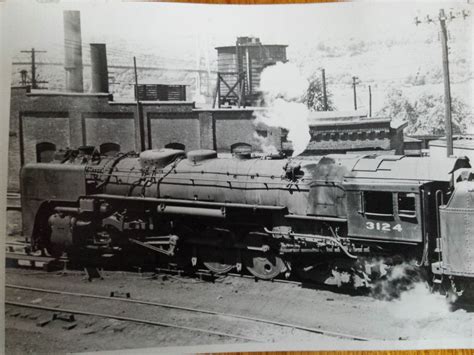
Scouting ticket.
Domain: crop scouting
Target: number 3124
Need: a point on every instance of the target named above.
(385, 227)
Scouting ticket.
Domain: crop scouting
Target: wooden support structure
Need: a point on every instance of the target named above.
(235, 91)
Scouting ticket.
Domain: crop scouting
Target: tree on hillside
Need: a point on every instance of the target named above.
(314, 97)
(398, 107)
(427, 114)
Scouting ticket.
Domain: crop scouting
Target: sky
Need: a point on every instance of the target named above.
(181, 33)
(171, 29)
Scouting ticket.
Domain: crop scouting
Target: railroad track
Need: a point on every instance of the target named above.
(155, 305)
(127, 319)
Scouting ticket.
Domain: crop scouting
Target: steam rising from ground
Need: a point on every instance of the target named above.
(283, 89)
(419, 302)
(409, 294)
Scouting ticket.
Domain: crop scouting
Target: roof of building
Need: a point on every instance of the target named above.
(407, 139)
(346, 118)
(35, 92)
(252, 45)
(149, 102)
(459, 142)
(339, 115)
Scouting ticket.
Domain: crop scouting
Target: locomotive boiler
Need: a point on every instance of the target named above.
(329, 216)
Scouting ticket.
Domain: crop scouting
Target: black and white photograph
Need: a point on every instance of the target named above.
(188, 177)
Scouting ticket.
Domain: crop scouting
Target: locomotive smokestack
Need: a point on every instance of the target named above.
(100, 73)
(73, 51)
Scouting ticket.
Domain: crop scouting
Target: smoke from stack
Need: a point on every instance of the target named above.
(99, 70)
(73, 51)
(283, 88)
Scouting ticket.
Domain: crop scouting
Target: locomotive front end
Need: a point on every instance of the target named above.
(44, 187)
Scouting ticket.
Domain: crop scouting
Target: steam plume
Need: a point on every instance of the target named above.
(410, 297)
(283, 88)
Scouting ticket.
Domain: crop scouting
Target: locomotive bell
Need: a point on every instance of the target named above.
(292, 170)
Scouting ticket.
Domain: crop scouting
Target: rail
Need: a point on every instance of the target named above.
(195, 310)
(128, 319)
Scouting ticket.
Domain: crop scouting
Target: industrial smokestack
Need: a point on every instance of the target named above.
(100, 73)
(73, 51)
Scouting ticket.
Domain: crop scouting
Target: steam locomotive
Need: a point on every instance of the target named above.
(330, 217)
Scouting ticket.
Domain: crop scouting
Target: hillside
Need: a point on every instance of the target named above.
(412, 65)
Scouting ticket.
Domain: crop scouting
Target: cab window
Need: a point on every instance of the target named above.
(406, 204)
(378, 202)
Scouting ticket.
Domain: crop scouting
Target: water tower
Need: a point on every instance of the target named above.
(239, 68)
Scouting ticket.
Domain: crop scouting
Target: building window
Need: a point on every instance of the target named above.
(406, 204)
(378, 203)
(45, 152)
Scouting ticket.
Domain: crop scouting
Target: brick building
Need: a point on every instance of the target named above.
(57, 120)
(342, 132)
(64, 120)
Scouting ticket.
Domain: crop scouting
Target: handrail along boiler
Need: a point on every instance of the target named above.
(315, 215)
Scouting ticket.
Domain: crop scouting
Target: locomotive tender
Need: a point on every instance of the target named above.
(332, 214)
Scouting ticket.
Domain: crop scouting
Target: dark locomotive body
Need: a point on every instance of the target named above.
(271, 216)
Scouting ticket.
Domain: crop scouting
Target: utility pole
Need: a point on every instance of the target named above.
(447, 86)
(34, 81)
(354, 84)
(139, 129)
(443, 18)
(370, 101)
(325, 96)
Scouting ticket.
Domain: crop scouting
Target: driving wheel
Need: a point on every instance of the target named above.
(264, 263)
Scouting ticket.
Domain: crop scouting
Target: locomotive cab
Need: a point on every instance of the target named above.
(395, 198)
(392, 213)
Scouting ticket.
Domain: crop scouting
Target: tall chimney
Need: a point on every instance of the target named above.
(100, 73)
(73, 51)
